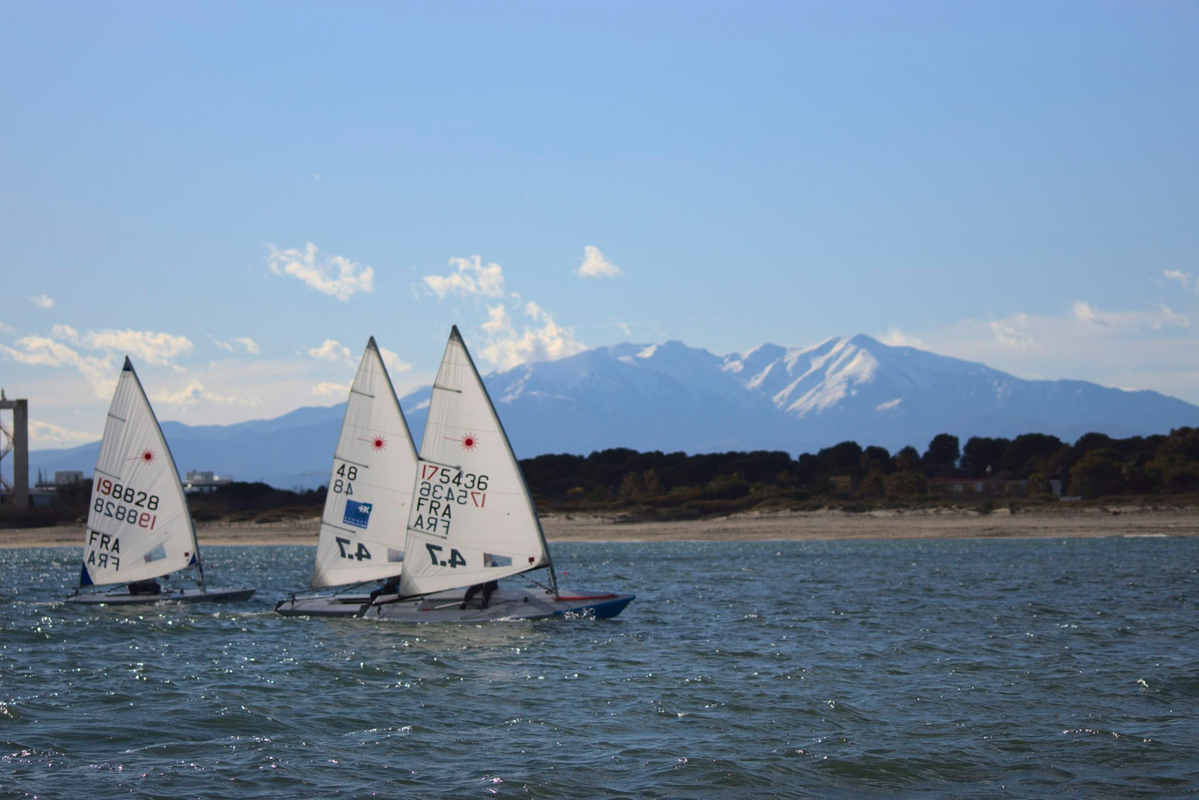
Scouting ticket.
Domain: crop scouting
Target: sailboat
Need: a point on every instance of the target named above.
(138, 527)
(369, 494)
(472, 520)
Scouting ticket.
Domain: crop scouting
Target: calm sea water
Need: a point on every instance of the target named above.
(949, 668)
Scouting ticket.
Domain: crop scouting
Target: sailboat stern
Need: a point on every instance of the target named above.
(599, 606)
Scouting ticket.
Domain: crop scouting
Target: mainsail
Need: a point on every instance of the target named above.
(138, 526)
(370, 486)
(472, 517)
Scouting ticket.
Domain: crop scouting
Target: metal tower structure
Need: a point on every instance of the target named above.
(15, 440)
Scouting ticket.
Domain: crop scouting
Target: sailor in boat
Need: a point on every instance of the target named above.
(486, 588)
(149, 587)
(392, 586)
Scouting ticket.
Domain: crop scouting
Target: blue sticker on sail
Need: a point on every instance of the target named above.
(357, 514)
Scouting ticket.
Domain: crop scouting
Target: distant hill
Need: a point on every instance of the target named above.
(673, 397)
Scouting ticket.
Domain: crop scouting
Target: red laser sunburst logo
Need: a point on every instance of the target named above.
(147, 456)
(377, 442)
(469, 441)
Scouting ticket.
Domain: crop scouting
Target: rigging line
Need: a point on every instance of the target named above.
(351, 586)
(548, 590)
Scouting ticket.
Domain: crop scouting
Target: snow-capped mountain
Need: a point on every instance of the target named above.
(674, 397)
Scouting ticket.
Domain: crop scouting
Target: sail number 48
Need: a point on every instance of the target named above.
(344, 483)
(455, 560)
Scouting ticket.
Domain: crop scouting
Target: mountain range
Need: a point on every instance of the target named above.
(673, 397)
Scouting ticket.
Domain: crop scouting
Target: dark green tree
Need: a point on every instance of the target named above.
(1020, 458)
(941, 458)
(982, 452)
(1098, 473)
(906, 460)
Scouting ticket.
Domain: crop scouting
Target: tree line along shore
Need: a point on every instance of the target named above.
(1030, 470)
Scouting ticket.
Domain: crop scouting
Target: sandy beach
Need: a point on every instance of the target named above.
(818, 525)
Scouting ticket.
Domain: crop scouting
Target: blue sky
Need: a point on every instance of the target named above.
(238, 195)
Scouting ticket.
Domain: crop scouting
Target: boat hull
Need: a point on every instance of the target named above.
(446, 607)
(117, 598)
(323, 605)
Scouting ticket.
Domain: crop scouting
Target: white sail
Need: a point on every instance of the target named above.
(138, 526)
(370, 486)
(472, 517)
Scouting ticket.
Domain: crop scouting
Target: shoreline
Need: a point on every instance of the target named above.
(1091, 522)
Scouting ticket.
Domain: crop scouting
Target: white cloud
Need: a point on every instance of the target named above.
(497, 320)
(1129, 320)
(596, 266)
(1182, 278)
(336, 276)
(65, 333)
(505, 345)
(547, 341)
(332, 351)
(1084, 313)
(1141, 348)
(42, 301)
(471, 277)
(5, 328)
(329, 389)
(244, 343)
(47, 434)
(1012, 332)
(897, 338)
(152, 347)
(41, 351)
(194, 392)
(393, 362)
(62, 349)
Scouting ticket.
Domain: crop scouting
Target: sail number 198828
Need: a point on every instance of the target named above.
(114, 508)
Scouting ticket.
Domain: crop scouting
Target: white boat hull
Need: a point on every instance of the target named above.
(124, 598)
(446, 607)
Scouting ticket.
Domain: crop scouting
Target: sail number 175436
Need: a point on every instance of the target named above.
(434, 473)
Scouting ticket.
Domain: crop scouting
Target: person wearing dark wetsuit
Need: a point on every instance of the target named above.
(485, 588)
(392, 586)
